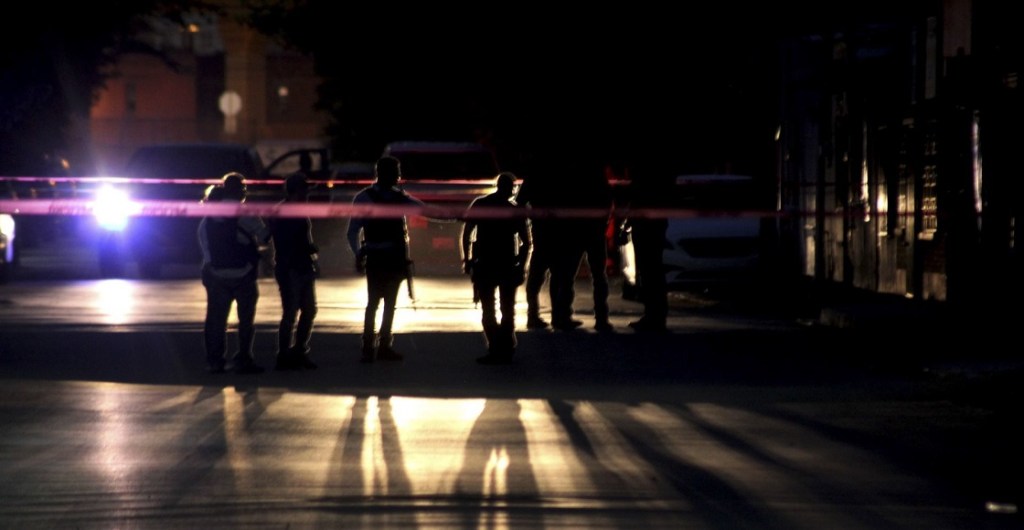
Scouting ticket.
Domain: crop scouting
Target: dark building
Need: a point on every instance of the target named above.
(215, 80)
(897, 153)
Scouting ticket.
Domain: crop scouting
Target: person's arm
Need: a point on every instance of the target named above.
(468, 227)
(434, 213)
(525, 243)
(409, 199)
(354, 232)
(307, 228)
(355, 226)
(467, 239)
(204, 242)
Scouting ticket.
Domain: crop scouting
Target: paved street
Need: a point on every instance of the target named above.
(735, 419)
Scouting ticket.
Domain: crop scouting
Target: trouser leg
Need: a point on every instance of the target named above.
(307, 314)
(390, 294)
(489, 319)
(289, 311)
(507, 327)
(246, 299)
(535, 279)
(599, 279)
(563, 288)
(218, 307)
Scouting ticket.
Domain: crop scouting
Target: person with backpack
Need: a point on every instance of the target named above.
(231, 248)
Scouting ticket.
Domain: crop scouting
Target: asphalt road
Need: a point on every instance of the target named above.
(739, 418)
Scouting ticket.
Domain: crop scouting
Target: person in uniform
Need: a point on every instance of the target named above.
(295, 268)
(381, 248)
(495, 246)
(535, 193)
(231, 248)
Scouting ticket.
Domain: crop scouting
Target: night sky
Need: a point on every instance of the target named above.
(693, 86)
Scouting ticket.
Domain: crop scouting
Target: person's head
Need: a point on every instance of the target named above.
(387, 171)
(296, 186)
(214, 193)
(234, 186)
(506, 183)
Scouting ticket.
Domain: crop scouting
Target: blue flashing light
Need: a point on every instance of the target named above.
(112, 208)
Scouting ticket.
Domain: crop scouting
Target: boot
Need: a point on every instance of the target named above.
(534, 321)
(369, 348)
(501, 344)
(384, 350)
(302, 358)
(491, 338)
(507, 337)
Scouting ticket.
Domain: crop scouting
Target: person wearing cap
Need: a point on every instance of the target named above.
(495, 246)
(381, 247)
(295, 269)
(231, 248)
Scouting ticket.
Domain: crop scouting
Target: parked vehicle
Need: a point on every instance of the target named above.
(7, 249)
(178, 172)
(445, 174)
(716, 239)
(50, 182)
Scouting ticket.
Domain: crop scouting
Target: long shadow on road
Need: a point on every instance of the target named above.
(733, 363)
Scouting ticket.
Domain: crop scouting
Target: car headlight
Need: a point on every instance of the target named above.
(6, 224)
(112, 208)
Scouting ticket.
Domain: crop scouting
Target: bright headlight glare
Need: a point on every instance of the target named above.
(112, 208)
(6, 224)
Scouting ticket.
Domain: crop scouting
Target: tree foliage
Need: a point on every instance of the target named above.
(52, 69)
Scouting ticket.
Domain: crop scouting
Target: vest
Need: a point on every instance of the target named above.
(226, 251)
(384, 229)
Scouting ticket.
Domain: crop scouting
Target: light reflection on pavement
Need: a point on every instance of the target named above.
(442, 304)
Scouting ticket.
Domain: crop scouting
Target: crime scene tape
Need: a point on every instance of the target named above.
(201, 182)
(152, 208)
(254, 182)
(445, 199)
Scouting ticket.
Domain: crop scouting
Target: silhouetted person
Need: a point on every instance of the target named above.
(494, 251)
(536, 192)
(565, 231)
(305, 163)
(647, 230)
(295, 269)
(587, 207)
(381, 247)
(231, 254)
